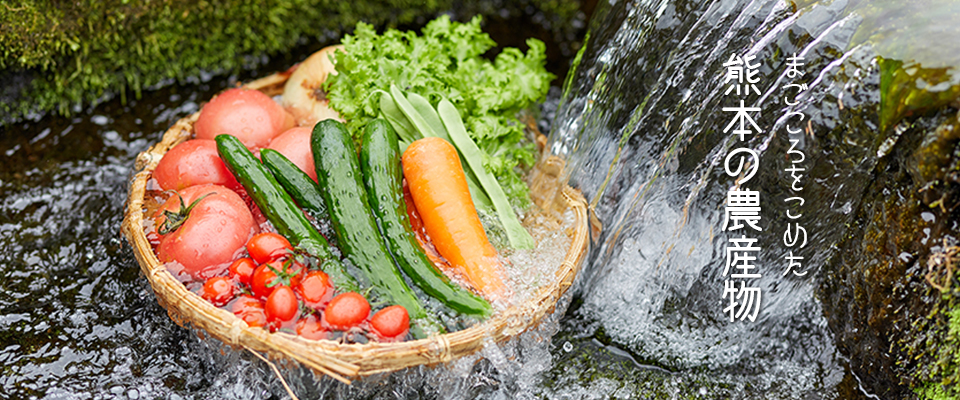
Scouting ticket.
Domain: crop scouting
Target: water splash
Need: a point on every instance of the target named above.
(641, 129)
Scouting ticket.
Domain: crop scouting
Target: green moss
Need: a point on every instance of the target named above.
(935, 392)
(58, 54)
(939, 352)
(907, 90)
(931, 342)
(79, 51)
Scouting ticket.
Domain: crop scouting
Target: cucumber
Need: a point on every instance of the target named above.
(339, 176)
(296, 182)
(382, 176)
(280, 210)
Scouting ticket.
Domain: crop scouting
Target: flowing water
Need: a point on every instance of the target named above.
(641, 128)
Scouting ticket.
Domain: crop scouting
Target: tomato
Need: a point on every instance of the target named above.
(391, 323)
(262, 276)
(295, 145)
(281, 308)
(250, 115)
(242, 270)
(309, 327)
(315, 289)
(267, 246)
(191, 163)
(219, 290)
(250, 310)
(265, 280)
(211, 234)
(346, 311)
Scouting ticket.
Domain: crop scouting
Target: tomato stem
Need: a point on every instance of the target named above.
(283, 277)
(176, 219)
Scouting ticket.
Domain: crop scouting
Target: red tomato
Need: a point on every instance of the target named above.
(250, 310)
(242, 270)
(267, 246)
(265, 280)
(295, 145)
(391, 323)
(210, 236)
(250, 115)
(315, 289)
(281, 307)
(219, 290)
(191, 163)
(309, 327)
(346, 311)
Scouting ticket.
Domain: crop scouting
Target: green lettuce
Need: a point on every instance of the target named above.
(446, 61)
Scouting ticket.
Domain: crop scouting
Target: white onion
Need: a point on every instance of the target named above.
(303, 95)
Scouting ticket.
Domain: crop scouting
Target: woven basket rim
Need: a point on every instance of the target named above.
(340, 361)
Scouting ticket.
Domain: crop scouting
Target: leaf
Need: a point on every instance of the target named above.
(446, 61)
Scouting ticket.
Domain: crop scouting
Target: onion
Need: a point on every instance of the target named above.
(303, 95)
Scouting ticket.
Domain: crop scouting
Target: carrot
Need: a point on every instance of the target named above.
(440, 192)
(421, 234)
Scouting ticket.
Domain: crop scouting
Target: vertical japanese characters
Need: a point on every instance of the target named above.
(794, 235)
(742, 208)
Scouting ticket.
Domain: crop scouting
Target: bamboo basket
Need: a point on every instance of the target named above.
(348, 361)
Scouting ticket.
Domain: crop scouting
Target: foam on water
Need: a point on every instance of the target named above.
(529, 270)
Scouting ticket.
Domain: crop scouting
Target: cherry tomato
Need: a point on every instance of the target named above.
(315, 289)
(391, 323)
(191, 163)
(295, 145)
(250, 310)
(242, 270)
(207, 239)
(250, 115)
(265, 280)
(218, 290)
(309, 327)
(268, 246)
(281, 307)
(346, 311)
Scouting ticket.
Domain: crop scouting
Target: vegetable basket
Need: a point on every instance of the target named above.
(348, 361)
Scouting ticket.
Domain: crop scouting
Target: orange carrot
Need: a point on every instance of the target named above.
(421, 234)
(439, 189)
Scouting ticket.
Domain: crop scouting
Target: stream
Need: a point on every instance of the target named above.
(640, 125)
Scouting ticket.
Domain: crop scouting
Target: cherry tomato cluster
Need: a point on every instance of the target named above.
(272, 289)
(209, 221)
(268, 286)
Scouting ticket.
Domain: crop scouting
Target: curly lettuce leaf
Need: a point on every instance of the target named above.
(446, 61)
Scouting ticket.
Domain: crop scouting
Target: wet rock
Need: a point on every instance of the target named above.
(642, 128)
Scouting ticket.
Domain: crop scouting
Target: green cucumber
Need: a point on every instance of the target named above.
(280, 210)
(339, 176)
(382, 175)
(296, 182)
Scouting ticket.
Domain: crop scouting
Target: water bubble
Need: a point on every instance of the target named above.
(567, 346)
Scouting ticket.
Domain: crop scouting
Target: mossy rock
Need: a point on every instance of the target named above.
(58, 55)
(892, 298)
